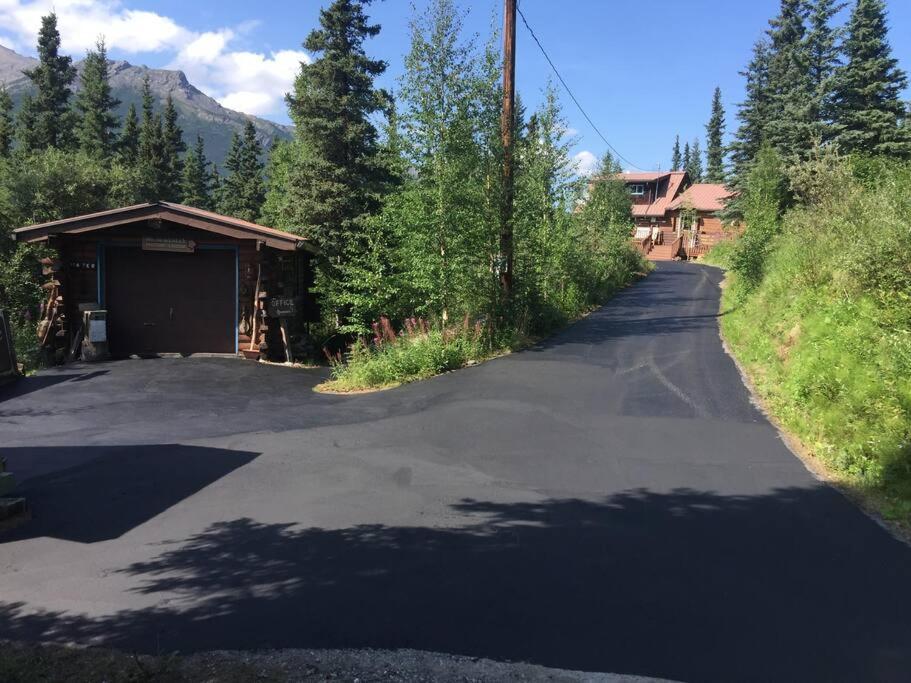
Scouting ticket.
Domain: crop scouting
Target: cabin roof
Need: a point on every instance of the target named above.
(662, 203)
(703, 197)
(177, 213)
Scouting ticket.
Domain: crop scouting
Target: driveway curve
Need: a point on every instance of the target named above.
(610, 500)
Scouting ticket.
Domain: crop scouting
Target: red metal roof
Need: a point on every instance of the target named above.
(659, 207)
(703, 197)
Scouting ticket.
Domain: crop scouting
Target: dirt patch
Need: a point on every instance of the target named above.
(790, 339)
(295, 365)
(328, 388)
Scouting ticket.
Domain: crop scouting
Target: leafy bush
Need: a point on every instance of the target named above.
(20, 295)
(55, 184)
(827, 331)
(764, 200)
(722, 253)
(417, 351)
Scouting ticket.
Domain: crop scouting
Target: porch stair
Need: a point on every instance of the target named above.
(664, 251)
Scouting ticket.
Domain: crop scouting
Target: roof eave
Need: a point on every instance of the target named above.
(201, 220)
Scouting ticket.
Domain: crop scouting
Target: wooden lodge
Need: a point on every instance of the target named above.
(167, 278)
(678, 217)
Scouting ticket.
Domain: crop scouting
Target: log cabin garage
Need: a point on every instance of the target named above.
(171, 279)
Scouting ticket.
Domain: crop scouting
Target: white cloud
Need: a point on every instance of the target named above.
(207, 47)
(586, 163)
(252, 82)
(250, 102)
(81, 22)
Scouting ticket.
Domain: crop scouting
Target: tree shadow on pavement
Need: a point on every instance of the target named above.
(96, 493)
(26, 385)
(685, 585)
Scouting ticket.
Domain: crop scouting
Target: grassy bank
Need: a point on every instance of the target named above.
(825, 335)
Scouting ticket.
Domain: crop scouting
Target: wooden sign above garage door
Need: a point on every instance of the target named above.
(173, 244)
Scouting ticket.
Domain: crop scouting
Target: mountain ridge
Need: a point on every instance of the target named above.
(198, 113)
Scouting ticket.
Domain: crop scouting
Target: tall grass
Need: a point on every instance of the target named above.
(826, 333)
(417, 351)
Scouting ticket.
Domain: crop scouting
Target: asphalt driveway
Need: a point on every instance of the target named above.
(608, 501)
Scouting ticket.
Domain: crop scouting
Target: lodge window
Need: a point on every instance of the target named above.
(637, 190)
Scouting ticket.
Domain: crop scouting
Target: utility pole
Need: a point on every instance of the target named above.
(507, 129)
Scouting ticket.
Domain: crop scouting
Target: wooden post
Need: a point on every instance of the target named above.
(283, 324)
(507, 128)
(259, 276)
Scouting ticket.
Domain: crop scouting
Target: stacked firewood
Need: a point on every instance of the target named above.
(52, 324)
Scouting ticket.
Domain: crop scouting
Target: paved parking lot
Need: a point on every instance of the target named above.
(608, 501)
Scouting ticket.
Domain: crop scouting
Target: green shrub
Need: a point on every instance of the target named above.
(764, 200)
(21, 295)
(721, 254)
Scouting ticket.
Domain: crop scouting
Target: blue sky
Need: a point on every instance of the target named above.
(644, 70)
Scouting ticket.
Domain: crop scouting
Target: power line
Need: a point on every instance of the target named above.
(570, 92)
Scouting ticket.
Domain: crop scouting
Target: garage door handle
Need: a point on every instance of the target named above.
(171, 313)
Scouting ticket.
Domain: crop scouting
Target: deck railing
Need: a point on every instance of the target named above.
(697, 250)
(676, 246)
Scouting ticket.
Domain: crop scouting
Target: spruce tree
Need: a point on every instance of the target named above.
(128, 144)
(153, 163)
(27, 124)
(252, 170)
(228, 200)
(242, 190)
(753, 113)
(790, 124)
(694, 166)
(823, 55)
(868, 106)
(49, 117)
(392, 147)
(97, 123)
(196, 183)
(714, 139)
(6, 123)
(173, 148)
(215, 188)
(686, 161)
(339, 183)
(676, 158)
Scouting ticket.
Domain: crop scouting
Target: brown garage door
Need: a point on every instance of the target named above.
(161, 302)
